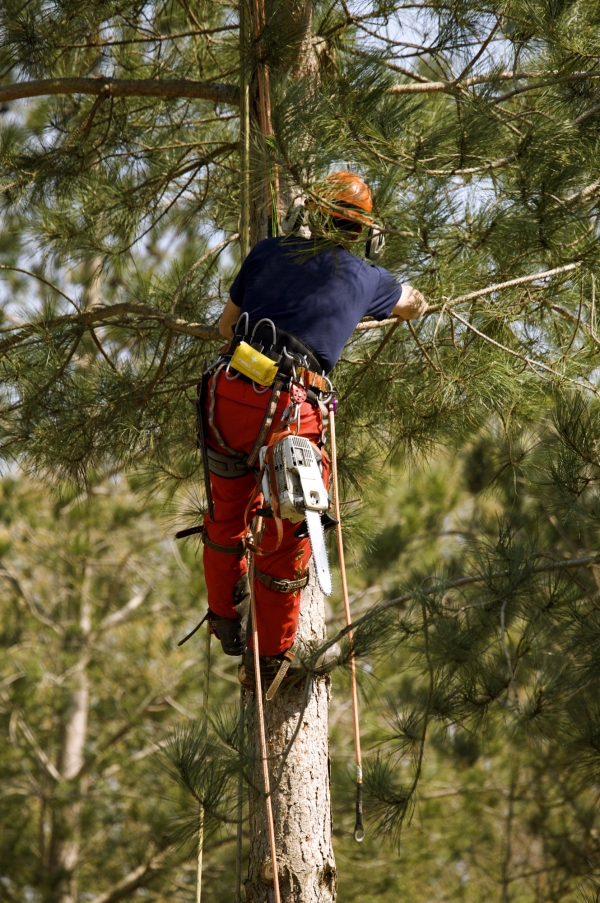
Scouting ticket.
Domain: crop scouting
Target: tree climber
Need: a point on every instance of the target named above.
(314, 292)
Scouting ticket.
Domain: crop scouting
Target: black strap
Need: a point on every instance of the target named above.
(196, 628)
(239, 549)
(226, 466)
(282, 584)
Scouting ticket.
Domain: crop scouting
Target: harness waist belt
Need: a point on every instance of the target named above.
(271, 341)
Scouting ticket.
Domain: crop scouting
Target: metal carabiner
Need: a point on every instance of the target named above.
(239, 319)
(327, 398)
(297, 360)
(272, 325)
(227, 376)
(292, 358)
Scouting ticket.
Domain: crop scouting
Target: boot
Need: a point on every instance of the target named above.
(270, 665)
(232, 631)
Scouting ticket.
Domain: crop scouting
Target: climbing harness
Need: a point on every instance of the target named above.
(291, 366)
(259, 351)
(359, 832)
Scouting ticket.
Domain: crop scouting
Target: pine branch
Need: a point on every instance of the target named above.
(102, 312)
(398, 601)
(41, 279)
(37, 749)
(452, 87)
(136, 878)
(531, 362)
(115, 87)
(545, 274)
(150, 38)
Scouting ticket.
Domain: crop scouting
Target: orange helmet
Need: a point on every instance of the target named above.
(346, 190)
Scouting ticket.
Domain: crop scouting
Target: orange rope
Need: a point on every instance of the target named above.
(359, 833)
(261, 720)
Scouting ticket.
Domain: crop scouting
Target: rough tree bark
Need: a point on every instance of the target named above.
(287, 42)
(301, 799)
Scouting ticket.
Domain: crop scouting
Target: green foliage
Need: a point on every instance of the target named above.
(91, 683)
(482, 714)
(490, 179)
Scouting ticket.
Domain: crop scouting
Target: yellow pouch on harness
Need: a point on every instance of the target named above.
(254, 364)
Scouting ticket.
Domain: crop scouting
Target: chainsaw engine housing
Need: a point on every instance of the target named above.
(298, 476)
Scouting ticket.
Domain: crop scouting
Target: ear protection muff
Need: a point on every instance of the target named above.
(296, 218)
(375, 245)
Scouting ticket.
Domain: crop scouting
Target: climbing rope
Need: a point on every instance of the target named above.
(240, 803)
(359, 831)
(261, 716)
(205, 695)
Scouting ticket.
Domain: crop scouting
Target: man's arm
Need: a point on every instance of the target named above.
(411, 304)
(229, 318)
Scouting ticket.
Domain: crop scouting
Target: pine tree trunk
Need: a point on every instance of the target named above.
(66, 817)
(301, 799)
(300, 782)
(288, 29)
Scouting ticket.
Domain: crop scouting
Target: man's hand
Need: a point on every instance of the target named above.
(229, 318)
(411, 304)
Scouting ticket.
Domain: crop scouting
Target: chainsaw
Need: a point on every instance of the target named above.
(302, 495)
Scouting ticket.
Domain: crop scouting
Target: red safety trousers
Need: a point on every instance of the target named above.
(239, 413)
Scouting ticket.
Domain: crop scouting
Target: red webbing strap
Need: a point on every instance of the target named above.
(211, 416)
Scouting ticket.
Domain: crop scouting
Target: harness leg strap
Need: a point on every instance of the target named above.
(282, 584)
(225, 465)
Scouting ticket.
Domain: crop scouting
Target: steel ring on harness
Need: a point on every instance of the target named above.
(327, 398)
(259, 391)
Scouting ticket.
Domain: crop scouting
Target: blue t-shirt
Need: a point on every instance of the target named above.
(320, 298)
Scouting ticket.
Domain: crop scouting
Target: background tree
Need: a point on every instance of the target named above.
(478, 127)
(91, 681)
